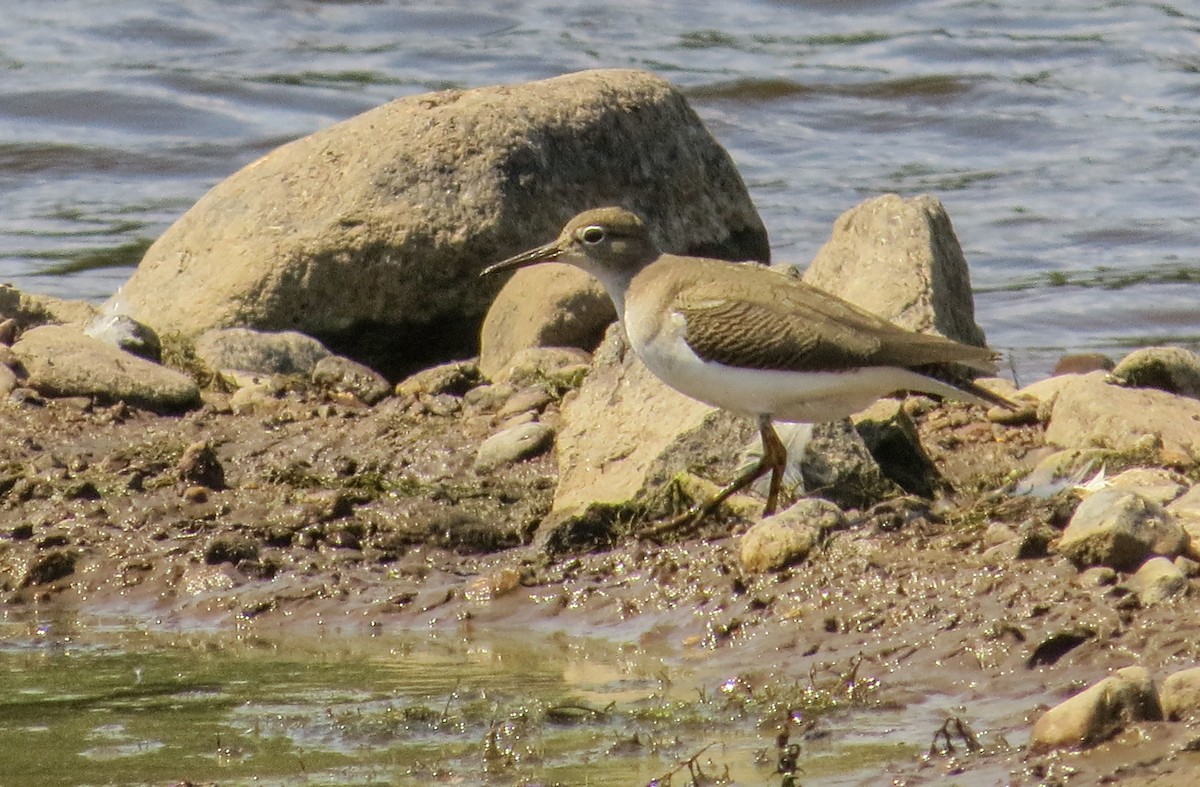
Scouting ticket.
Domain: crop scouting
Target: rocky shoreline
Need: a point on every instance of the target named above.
(1041, 563)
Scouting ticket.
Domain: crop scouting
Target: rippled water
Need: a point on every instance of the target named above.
(1064, 138)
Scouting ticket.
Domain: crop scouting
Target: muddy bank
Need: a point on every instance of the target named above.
(329, 515)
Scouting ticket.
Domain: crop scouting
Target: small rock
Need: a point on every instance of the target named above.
(196, 494)
(1171, 369)
(1088, 412)
(455, 378)
(1181, 694)
(8, 330)
(1082, 363)
(262, 397)
(488, 398)
(343, 374)
(230, 549)
(837, 466)
(1157, 580)
(1096, 576)
(260, 352)
(512, 445)
(200, 466)
(1186, 510)
(8, 381)
(1098, 712)
(63, 361)
(49, 567)
(1120, 529)
(789, 536)
(126, 333)
(534, 364)
(890, 434)
(531, 399)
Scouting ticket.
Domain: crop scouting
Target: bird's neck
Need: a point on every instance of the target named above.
(616, 284)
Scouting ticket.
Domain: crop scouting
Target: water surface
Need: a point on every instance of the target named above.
(1064, 138)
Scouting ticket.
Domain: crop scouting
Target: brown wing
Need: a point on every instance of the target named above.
(766, 320)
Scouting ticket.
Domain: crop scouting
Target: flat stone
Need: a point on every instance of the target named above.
(1098, 712)
(1180, 694)
(260, 352)
(1120, 529)
(63, 361)
(513, 444)
(1088, 412)
(899, 258)
(788, 537)
(369, 235)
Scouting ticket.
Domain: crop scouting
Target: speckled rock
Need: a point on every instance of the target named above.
(540, 363)
(260, 352)
(349, 376)
(369, 235)
(1120, 529)
(1180, 694)
(63, 361)
(899, 258)
(455, 378)
(789, 536)
(1098, 712)
(512, 445)
(1157, 580)
(1171, 369)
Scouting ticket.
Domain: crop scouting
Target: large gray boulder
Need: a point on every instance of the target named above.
(368, 235)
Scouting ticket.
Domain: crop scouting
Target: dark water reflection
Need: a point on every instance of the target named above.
(1063, 138)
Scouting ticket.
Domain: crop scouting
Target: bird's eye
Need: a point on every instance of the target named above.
(592, 235)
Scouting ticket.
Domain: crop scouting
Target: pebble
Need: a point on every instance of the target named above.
(512, 445)
(788, 537)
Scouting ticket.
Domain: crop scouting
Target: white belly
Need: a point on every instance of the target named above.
(782, 395)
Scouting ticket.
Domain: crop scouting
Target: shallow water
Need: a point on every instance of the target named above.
(81, 706)
(1063, 138)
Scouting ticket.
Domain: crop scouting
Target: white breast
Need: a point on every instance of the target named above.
(783, 395)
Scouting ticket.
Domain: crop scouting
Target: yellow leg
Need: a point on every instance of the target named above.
(774, 458)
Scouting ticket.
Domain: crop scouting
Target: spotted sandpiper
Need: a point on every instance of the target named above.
(752, 340)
